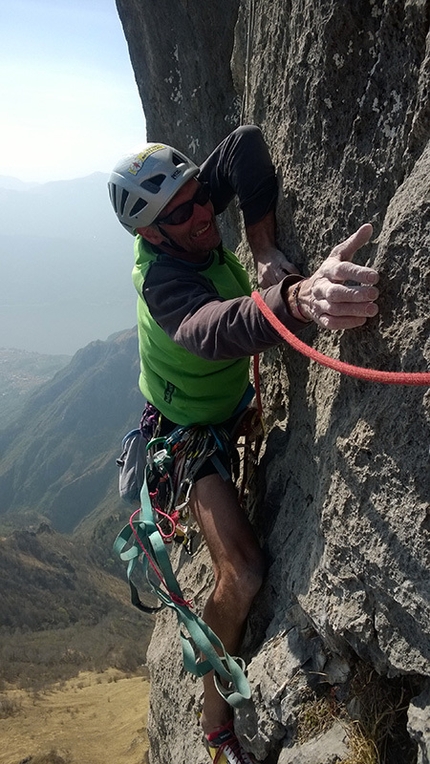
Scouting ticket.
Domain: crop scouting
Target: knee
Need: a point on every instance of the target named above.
(248, 135)
(244, 576)
(250, 581)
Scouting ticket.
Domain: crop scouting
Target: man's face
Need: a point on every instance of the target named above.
(199, 234)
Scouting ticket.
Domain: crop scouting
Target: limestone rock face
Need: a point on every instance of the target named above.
(180, 52)
(341, 92)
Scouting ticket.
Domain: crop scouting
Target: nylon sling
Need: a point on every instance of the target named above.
(141, 540)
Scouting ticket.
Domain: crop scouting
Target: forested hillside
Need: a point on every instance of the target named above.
(58, 457)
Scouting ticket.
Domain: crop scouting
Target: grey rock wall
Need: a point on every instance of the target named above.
(341, 92)
(180, 51)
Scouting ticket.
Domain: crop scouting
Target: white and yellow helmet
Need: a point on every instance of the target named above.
(142, 184)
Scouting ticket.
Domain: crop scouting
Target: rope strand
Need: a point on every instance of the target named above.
(370, 375)
(174, 597)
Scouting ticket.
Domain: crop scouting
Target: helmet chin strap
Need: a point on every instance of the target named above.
(171, 244)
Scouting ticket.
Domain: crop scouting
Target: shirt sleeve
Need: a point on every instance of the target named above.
(241, 166)
(188, 308)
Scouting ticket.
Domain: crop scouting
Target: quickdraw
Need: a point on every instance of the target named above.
(172, 465)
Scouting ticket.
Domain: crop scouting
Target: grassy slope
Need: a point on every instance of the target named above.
(78, 721)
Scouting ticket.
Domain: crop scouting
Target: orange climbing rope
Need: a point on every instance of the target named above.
(370, 375)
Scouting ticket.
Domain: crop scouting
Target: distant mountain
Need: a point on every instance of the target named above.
(14, 184)
(20, 374)
(61, 209)
(65, 265)
(57, 459)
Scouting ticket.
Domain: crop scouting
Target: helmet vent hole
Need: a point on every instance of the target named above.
(177, 160)
(138, 207)
(112, 194)
(153, 184)
(124, 197)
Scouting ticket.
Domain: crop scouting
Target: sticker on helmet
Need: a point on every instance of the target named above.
(136, 165)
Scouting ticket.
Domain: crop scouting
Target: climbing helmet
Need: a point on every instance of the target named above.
(142, 184)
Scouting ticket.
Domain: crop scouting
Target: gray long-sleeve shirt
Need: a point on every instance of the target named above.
(188, 308)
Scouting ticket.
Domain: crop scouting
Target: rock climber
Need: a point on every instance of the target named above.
(197, 328)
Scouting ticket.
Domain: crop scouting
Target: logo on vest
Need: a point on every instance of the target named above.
(168, 392)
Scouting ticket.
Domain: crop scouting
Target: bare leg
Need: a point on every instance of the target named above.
(271, 264)
(238, 568)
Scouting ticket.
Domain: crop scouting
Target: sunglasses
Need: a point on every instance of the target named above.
(183, 212)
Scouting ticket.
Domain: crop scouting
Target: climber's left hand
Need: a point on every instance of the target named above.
(329, 299)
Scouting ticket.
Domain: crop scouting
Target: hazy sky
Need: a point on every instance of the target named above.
(68, 99)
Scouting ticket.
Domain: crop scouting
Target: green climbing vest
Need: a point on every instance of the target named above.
(188, 389)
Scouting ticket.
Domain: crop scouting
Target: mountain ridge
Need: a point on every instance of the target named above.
(76, 420)
(21, 372)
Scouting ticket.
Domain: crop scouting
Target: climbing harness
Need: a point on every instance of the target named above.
(171, 467)
(370, 375)
(172, 464)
